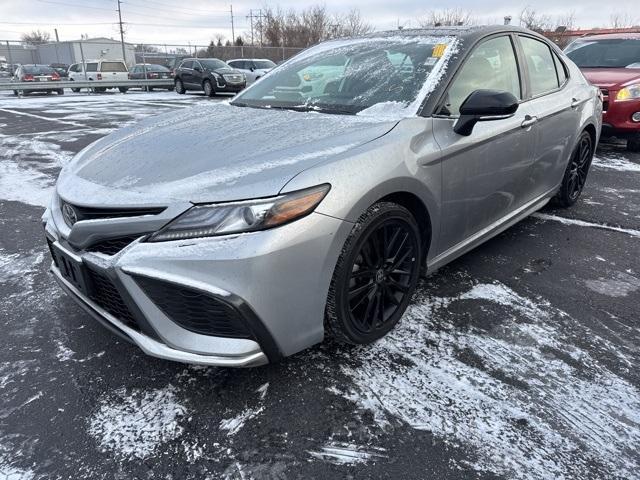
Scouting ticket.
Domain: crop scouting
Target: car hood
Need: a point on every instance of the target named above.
(225, 70)
(611, 77)
(211, 153)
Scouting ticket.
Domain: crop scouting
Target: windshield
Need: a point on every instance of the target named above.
(213, 64)
(607, 53)
(350, 76)
(38, 69)
(263, 64)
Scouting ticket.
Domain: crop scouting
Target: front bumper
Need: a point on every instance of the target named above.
(617, 121)
(278, 279)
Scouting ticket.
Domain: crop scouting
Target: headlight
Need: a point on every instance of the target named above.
(239, 217)
(632, 92)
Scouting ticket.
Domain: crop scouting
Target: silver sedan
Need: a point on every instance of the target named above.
(237, 233)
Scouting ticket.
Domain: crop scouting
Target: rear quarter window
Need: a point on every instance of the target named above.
(113, 67)
(92, 67)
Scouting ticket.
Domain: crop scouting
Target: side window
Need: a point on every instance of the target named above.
(492, 65)
(187, 64)
(73, 68)
(92, 67)
(562, 73)
(542, 69)
(234, 64)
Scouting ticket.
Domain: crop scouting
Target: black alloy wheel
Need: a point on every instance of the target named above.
(575, 176)
(375, 276)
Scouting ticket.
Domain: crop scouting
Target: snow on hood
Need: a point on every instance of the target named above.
(210, 153)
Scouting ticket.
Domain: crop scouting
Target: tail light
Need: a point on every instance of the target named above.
(99, 76)
(27, 78)
(153, 75)
(55, 76)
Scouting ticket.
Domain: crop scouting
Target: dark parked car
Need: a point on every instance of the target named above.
(210, 75)
(151, 71)
(612, 63)
(61, 69)
(42, 74)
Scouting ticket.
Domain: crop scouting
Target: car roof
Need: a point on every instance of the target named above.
(202, 58)
(611, 36)
(249, 59)
(463, 31)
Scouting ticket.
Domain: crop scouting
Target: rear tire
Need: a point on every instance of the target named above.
(375, 276)
(60, 91)
(576, 173)
(75, 90)
(179, 86)
(99, 89)
(15, 92)
(633, 143)
(123, 89)
(208, 88)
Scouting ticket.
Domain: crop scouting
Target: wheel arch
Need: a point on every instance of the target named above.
(420, 212)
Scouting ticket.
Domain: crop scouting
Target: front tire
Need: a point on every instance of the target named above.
(179, 86)
(576, 173)
(208, 88)
(375, 276)
(60, 91)
(123, 89)
(633, 143)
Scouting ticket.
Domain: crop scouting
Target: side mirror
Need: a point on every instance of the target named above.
(252, 69)
(197, 68)
(482, 106)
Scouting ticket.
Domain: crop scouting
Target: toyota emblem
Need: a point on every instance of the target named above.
(69, 214)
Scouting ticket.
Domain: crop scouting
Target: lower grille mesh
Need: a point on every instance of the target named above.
(195, 311)
(106, 295)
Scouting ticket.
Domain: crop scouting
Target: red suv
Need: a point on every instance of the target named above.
(612, 63)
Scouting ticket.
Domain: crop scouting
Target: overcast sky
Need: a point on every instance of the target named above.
(197, 21)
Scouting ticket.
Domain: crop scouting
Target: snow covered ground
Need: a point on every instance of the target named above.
(521, 360)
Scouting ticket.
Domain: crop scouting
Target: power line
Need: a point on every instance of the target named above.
(75, 5)
(197, 10)
(178, 11)
(56, 23)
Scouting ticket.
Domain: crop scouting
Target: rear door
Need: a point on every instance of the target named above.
(186, 73)
(556, 105)
(484, 175)
(114, 71)
(92, 70)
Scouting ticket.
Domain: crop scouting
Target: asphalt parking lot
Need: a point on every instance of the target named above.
(520, 360)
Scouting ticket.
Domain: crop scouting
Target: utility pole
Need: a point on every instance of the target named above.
(251, 21)
(260, 16)
(233, 31)
(124, 55)
(56, 31)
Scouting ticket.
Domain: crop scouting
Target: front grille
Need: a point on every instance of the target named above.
(106, 295)
(112, 245)
(88, 213)
(195, 311)
(52, 252)
(233, 78)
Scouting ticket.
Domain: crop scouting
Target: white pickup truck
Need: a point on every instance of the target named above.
(99, 71)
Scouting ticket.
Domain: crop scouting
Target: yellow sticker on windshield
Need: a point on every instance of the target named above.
(438, 50)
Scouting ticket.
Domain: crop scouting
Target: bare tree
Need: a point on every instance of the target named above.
(36, 37)
(447, 17)
(219, 39)
(146, 48)
(307, 27)
(531, 19)
(621, 20)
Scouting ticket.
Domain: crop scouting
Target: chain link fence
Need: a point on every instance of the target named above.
(13, 53)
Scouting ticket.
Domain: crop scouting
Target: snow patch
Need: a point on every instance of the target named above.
(134, 424)
(473, 385)
(620, 286)
(234, 425)
(621, 164)
(582, 223)
(347, 454)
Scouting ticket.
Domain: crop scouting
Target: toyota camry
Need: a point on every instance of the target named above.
(236, 233)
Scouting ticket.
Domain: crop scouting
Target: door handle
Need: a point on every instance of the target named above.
(529, 121)
(575, 103)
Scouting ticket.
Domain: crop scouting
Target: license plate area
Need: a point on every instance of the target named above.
(71, 270)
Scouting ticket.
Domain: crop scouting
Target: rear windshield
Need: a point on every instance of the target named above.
(38, 69)
(92, 67)
(154, 68)
(213, 64)
(606, 53)
(113, 67)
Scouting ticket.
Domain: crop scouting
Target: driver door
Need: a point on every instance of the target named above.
(484, 175)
